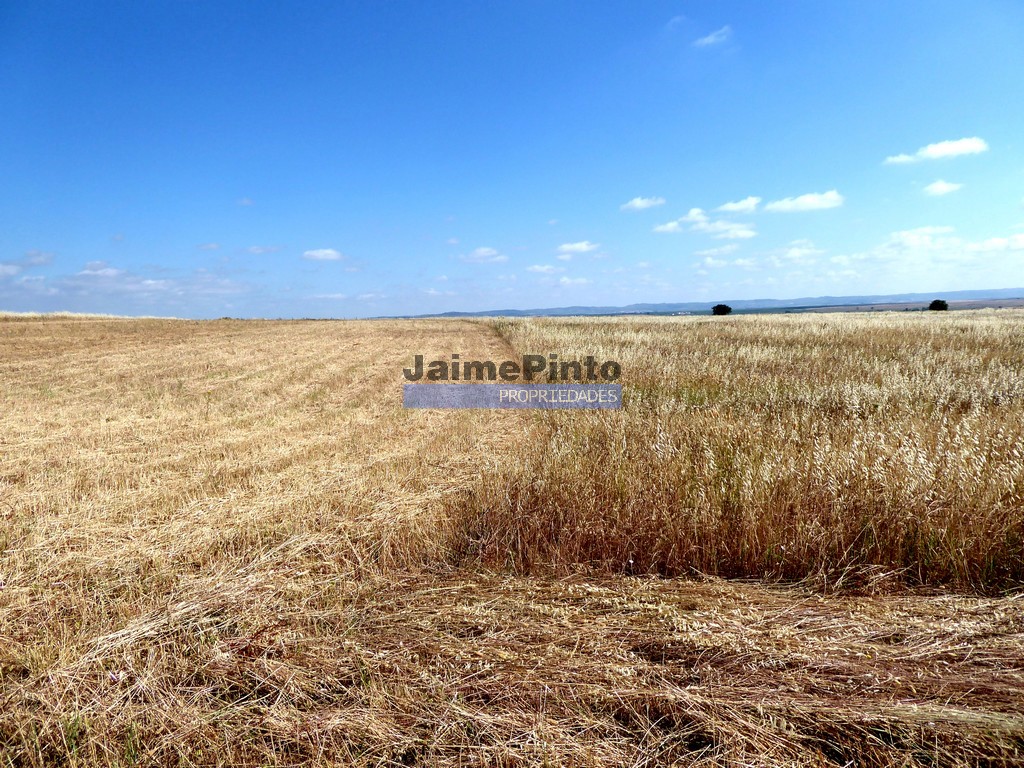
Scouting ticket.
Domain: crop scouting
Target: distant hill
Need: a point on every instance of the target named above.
(748, 305)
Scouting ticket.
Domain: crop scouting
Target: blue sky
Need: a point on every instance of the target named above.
(343, 159)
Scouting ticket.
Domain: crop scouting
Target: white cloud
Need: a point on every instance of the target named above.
(484, 256)
(208, 246)
(261, 249)
(36, 257)
(746, 205)
(712, 263)
(995, 244)
(940, 187)
(809, 202)
(573, 281)
(716, 37)
(723, 250)
(727, 230)
(544, 269)
(334, 296)
(942, 149)
(584, 246)
(9, 270)
(971, 146)
(931, 230)
(642, 203)
(452, 241)
(801, 254)
(900, 159)
(99, 279)
(442, 278)
(564, 257)
(323, 254)
(939, 251)
(100, 269)
(245, 201)
(744, 263)
(928, 258)
(370, 296)
(719, 229)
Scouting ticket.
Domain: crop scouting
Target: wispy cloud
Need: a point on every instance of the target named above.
(33, 258)
(35, 285)
(323, 254)
(484, 255)
(715, 38)
(208, 246)
(798, 252)
(100, 269)
(712, 263)
(938, 250)
(584, 246)
(331, 296)
(573, 281)
(720, 229)
(746, 205)
(544, 269)
(245, 201)
(258, 250)
(942, 149)
(98, 278)
(642, 203)
(668, 227)
(723, 250)
(810, 202)
(727, 230)
(996, 244)
(940, 187)
(36, 258)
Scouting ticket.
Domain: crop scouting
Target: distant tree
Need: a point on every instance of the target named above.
(938, 305)
(721, 309)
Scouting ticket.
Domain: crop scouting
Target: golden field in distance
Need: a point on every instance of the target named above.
(801, 541)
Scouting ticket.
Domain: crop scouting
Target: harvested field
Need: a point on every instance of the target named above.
(226, 543)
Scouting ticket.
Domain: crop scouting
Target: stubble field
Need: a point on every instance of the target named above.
(800, 542)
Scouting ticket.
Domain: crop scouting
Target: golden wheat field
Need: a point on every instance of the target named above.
(226, 543)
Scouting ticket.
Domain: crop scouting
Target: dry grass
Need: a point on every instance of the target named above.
(777, 447)
(226, 543)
